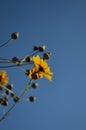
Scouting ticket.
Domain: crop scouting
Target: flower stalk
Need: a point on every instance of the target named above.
(21, 96)
(39, 69)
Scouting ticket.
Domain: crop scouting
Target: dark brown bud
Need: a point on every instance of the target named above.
(1, 101)
(15, 35)
(7, 92)
(1, 88)
(12, 94)
(16, 98)
(5, 103)
(46, 56)
(9, 86)
(27, 72)
(15, 60)
(42, 48)
(32, 98)
(34, 85)
(6, 98)
(35, 48)
(35, 76)
(28, 59)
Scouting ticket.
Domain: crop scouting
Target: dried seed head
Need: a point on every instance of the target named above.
(12, 94)
(35, 48)
(42, 48)
(1, 87)
(16, 98)
(1, 101)
(15, 35)
(27, 72)
(34, 85)
(5, 103)
(28, 59)
(7, 92)
(9, 86)
(6, 98)
(35, 76)
(46, 56)
(32, 98)
(15, 60)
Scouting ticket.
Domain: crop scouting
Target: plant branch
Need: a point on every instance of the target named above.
(23, 93)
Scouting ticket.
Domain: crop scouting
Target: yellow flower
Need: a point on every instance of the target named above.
(40, 68)
(3, 78)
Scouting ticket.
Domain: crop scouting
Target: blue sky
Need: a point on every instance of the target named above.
(61, 26)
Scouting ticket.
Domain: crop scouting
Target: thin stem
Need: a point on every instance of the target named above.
(30, 54)
(34, 52)
(6, 43)
(8, 66)
(23, 93)
(6, 60)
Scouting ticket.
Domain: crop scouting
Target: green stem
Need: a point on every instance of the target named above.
(1, 45)
(23, 93)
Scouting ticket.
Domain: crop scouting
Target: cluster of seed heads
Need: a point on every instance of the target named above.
(8, 92)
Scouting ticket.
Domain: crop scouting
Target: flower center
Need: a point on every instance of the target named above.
(41, 68)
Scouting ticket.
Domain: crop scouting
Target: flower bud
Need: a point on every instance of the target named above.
(0, 101)
(7, 91)
(32, 98)
(15, 60)
(35, 48)
(15, 35)
(42, 48)
(34, 85)
(9, 86)
(1, 88)
(28, 59)
(46, 56)
(35, 76)
(27, 72)
(12, 94)
(5, 103)
(16, 98)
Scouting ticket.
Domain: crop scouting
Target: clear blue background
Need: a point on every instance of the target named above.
(61, 26)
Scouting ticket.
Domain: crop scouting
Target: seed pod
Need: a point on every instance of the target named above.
(46, 56)
(1, 88)
(15, 60)
(7, 92)
(35, 76)
(28, 59)
(12, 94)
(42, 48)
(5, 103)
(16, 98)
(15, 35)
(32, 98)
(34, 85)
(27, 72)
(9, 86)
(35, 48)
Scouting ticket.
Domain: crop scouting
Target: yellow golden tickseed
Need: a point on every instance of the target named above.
(3, 78)
(41, 67)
